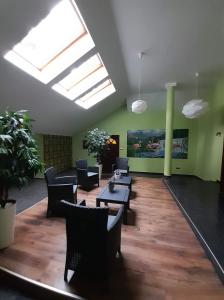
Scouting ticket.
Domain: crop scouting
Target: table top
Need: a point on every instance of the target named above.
(118, 195)
(122, 180)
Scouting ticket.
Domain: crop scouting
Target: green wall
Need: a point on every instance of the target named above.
(121, 121)
(209, 144)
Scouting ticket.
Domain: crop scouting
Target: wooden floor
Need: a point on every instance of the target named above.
(161, 257)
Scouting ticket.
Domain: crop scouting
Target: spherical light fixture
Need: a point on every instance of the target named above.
(195, 107)
(139, 105)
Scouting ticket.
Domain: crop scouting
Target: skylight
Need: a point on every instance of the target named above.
(88, 74)
(54, 44)
(61, 40)
(96, 95)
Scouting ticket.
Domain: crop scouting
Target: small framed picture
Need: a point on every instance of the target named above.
(84, 144)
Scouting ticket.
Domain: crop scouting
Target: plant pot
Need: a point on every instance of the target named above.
(7, 221)
(100, 170)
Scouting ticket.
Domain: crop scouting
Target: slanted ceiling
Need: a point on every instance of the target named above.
(179, 37)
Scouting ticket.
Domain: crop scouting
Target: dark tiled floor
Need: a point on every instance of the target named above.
(29, 194)
(199, 200)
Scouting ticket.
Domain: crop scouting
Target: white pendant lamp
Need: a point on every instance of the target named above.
(195, 107)
(139, 105)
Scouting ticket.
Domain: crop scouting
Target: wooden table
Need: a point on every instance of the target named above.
(118, 196)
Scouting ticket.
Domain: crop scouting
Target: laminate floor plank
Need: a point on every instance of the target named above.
(161, 257)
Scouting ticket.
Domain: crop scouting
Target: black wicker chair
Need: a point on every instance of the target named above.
(93, 238)
(64, 187)
(87, 176)
(122, 165)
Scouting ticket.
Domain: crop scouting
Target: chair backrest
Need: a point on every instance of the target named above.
(122, 163)
(81, 164)
(86, 229)
(49, 175)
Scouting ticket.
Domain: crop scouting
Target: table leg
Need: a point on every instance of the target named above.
(125, 217)
(97, 203)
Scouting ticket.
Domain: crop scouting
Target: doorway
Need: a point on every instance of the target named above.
(222, 176)
(110, 154)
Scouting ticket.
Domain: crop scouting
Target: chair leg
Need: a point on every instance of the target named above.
(48, 213)
(66, 274)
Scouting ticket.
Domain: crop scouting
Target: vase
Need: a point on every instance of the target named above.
(7, 218)
(110, 186)
(117, 174)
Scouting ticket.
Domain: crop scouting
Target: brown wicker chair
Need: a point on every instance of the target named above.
(64, 187)
(87, 176)
(93, 238)
(122, 165)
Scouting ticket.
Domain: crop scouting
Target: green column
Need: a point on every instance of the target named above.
(169, 129)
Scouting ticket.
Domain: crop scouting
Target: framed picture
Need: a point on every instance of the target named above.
(151, 143)
(84, 144)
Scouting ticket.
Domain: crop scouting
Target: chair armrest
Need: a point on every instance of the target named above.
(117, 220)
(58, 185)
(65, 179)
(93, 169)
(114, 234)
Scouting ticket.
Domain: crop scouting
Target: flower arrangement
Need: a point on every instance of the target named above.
(117, 174)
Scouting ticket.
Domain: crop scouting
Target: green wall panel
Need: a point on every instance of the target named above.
(209, 144)
(122, 120)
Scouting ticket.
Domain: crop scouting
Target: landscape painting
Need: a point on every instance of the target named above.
(180, 143)
(151, 143)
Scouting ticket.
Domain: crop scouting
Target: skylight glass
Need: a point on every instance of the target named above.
(81, 79)
(61, 40)
(96, 95)
(54, 44)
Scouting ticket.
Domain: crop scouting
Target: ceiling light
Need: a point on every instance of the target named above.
(195, 107)
(139, 105)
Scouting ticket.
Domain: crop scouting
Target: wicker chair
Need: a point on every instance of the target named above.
(87, 176)
(93, 238)
(122, 165)
(59, 188)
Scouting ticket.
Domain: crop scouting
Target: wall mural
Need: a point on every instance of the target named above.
(151, 143)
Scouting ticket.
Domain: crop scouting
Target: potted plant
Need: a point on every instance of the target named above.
(19, 163)
(96, 144)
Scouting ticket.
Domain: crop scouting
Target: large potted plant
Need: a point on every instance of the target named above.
(19, 163)
(96, 144)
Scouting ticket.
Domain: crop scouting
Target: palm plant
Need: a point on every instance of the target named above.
(19, 158)
(97, 142)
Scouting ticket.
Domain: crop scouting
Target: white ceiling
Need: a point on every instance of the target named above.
(178, 37)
